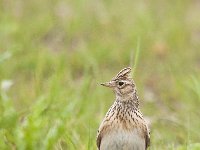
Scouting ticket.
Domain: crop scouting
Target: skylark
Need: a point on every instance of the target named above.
(123, 127)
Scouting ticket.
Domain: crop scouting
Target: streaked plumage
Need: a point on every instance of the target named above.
(123, 127)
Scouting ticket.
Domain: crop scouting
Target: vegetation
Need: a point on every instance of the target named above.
(54, 54)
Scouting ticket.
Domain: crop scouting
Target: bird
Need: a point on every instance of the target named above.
(123, 127)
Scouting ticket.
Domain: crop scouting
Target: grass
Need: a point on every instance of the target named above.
(54, 54)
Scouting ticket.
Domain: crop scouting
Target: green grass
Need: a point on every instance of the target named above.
(56, 53)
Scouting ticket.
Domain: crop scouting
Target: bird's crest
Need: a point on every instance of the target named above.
(124, 73)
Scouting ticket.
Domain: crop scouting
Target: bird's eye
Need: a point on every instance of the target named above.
(121, 83)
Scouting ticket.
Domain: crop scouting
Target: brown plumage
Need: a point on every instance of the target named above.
(123, 127)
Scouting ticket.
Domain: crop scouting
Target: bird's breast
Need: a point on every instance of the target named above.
(122, 140)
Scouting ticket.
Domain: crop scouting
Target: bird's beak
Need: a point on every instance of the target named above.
(109, 84)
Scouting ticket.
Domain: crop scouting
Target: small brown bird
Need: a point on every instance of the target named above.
(123, 127)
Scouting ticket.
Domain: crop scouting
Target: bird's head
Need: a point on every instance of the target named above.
(122, 84)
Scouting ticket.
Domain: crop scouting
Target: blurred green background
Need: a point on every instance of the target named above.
(54, 54)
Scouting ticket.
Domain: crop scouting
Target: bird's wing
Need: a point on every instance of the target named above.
(104, 125)
(147, 138)
(98, 140)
